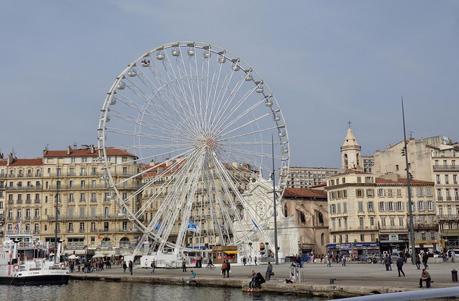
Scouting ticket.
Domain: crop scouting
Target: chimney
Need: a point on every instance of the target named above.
(69, 150)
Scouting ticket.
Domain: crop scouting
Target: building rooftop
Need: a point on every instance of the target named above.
(306, 193)
(84, 152)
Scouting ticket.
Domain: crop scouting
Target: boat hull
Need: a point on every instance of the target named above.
(35, 280)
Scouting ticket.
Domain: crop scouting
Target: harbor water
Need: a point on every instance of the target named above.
(123, 291)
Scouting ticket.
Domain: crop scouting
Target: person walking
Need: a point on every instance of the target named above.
(228, 268)
(184, 265)
(343, 261)
(124, 266)
(418, 262)
(131, 267)
(329, 260)
(400, 262)
(224, 267)
(425, 258)
(255, 260)
(153, 266)
(388, 262)
(269, 271)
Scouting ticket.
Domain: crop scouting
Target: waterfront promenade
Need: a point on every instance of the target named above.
(351, 280)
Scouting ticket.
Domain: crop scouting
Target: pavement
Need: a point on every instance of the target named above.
(356, 275)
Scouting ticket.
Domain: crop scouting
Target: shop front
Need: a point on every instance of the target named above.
(393, 242)
(356, 250)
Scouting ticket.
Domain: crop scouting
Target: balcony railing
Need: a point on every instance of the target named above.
(448, 217)
(446, 167)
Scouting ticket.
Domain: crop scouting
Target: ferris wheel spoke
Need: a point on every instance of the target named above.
(219, 103)
(153, 167)
(226, 102)
(167, 214)
(183, 92)
(256, 119)
(186, 197)
(248, 133)
(249, 209)
(241, 116)
(167, 171)
(141, 135)
(235, 108)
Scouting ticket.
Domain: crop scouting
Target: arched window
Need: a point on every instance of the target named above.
(346, 162)
(322, 239)
(358, 159)
(285, 210)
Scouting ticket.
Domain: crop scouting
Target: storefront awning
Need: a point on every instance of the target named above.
(230, 252)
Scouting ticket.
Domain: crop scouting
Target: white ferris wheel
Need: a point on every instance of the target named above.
(201, 125)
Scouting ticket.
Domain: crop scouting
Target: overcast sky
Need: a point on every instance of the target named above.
(327, 62)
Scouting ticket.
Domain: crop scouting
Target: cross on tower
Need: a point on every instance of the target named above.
(349, 123)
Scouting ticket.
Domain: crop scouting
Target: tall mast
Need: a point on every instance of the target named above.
(408, 185)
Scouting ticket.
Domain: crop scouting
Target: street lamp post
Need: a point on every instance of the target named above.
(276, 254)
(408, 185)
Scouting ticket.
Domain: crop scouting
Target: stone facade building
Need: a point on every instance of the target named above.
(306, 177)
(89, 219)
(369, 213)
(433, 159)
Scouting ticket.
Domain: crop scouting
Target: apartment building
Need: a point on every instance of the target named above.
(89, 218)
(305, 177)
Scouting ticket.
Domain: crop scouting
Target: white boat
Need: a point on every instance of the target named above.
(24, 261)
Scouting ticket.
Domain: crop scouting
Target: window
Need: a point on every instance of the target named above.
(398, 206)
(438, 179)
(360, 204)
(380, 192)
(397, 168)
(70, 212)
(381, 206)
(36, 213)
(370, 207)
(71, 197)
(82, 184)
(359, 179)
(106, 227)
(344, 207)
(125, 228)
(359, 193)
(420, 205)
(107, 212)
(81, 227)
(429, 205)
(372, 221)
(390, 206)
(392, 221)
(93, 227)
(339, 208)
(389, 193)
(93, 211)
(362, 237)
(82, 197)
(361, 223)
(399, 193)
(125, 171)
(454, 179)
(383, 221)
(70, 228)
(446, 179)
(93, 197)
(370, 193)
(400, 221)
(93, 184)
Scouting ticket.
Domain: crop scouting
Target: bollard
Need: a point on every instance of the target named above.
(454, 275)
